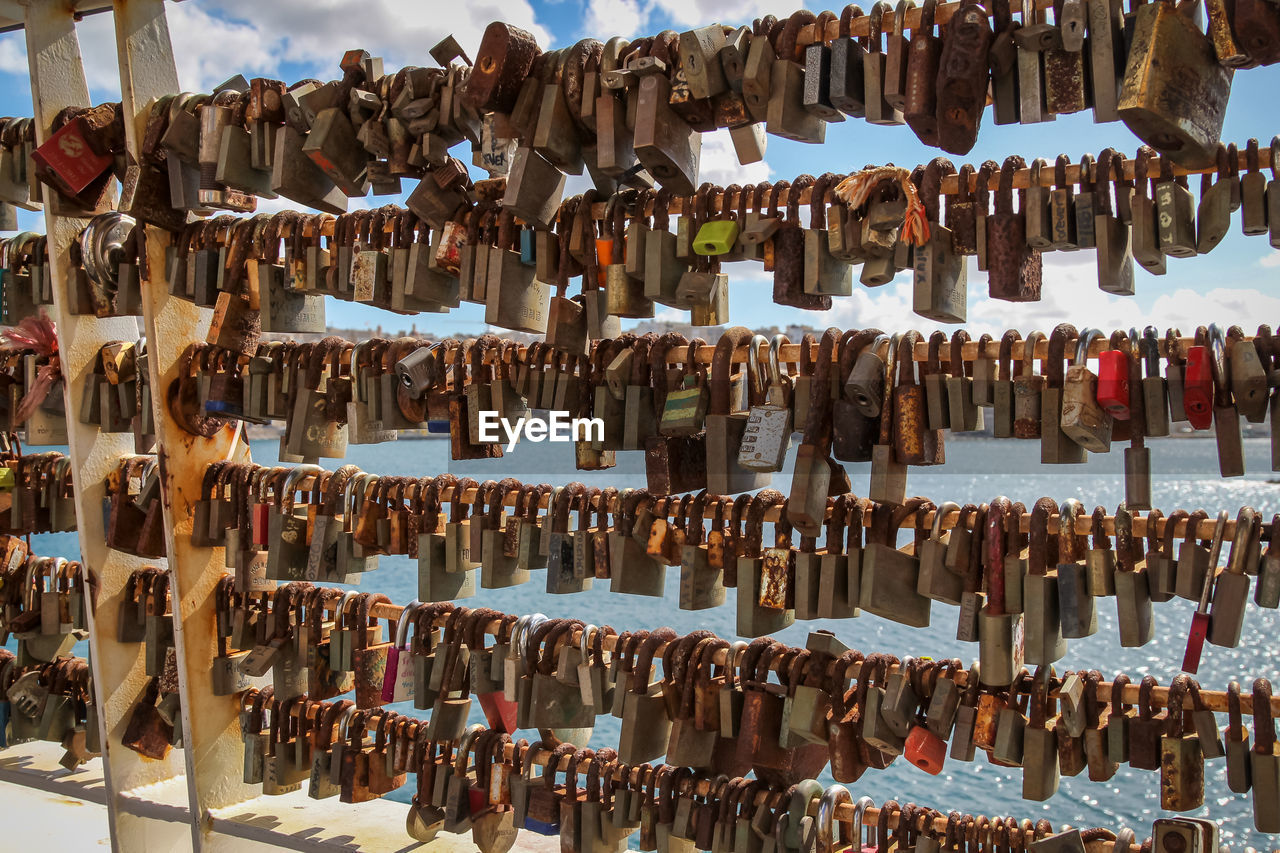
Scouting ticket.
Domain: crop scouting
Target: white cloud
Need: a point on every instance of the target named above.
(315, 36)
(13, 54)
(210, 49)
(615, 17)
(97, 49)
(696, 13)
(1186, 309)
(213, 41)
(720, 165)
(1270, 260)
(1070, 294)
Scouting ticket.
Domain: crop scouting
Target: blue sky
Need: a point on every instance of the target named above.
(293, 39)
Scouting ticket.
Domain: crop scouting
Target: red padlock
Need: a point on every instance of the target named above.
(478, 801)
(1201, 619)
(926, 750)
(261, 523)
(1113, 381)
(499, 713)
(1195, 641)
(70, 157)
(1197, 387)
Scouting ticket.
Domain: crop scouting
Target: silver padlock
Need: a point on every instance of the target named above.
(102, 246)
(767, 436)
(27, 696)
(417, 371)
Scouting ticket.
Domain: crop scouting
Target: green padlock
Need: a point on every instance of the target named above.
(7, 481)
(716, 237)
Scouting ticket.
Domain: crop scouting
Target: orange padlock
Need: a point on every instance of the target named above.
(926, 750)
(604, 257)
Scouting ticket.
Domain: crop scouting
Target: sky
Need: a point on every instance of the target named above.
(296, 39)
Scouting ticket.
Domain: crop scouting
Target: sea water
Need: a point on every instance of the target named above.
(1185, 474)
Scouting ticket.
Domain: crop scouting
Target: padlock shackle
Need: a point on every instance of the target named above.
(956, 363)
(1007, 369)
(1215, 554)
(832, 797)
(1086, 337)
(907, 373)
(1043, 548)
(1071, 546)
(1124, 539)
(402, 628)
(1004, 193)
(756, 375)
(1221, 381)
(1246, 523)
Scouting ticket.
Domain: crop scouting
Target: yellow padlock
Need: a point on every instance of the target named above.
(716, 237)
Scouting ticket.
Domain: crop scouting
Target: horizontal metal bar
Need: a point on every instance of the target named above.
(1214, 700)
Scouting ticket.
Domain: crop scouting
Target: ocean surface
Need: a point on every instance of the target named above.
(1186, 476)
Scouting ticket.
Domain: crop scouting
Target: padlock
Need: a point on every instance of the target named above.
(1200, 619)
(1145, 231)
(1246, 377)
(940, 286)
(1181, 756)
(1183, 834)
(966, 415)
(1112, 234)
(1083, 419)
(1198, 386)
(1226, 416)
(890, 578)
(786, 114)
(1113, 381)
(1231, 588)
(1014, 268)
(1267, 592)
(1042, 623)
(963, 78)
(1132, 590)
(815, 473)
(1040, 766)
(1076, 605)
(766, 438)
(1155, 402)
(1154, 101)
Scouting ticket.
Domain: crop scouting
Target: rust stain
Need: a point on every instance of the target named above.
(773, 578)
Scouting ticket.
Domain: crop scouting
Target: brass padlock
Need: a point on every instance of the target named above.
(766, 437)
(1083, 419)
(1180, 119)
